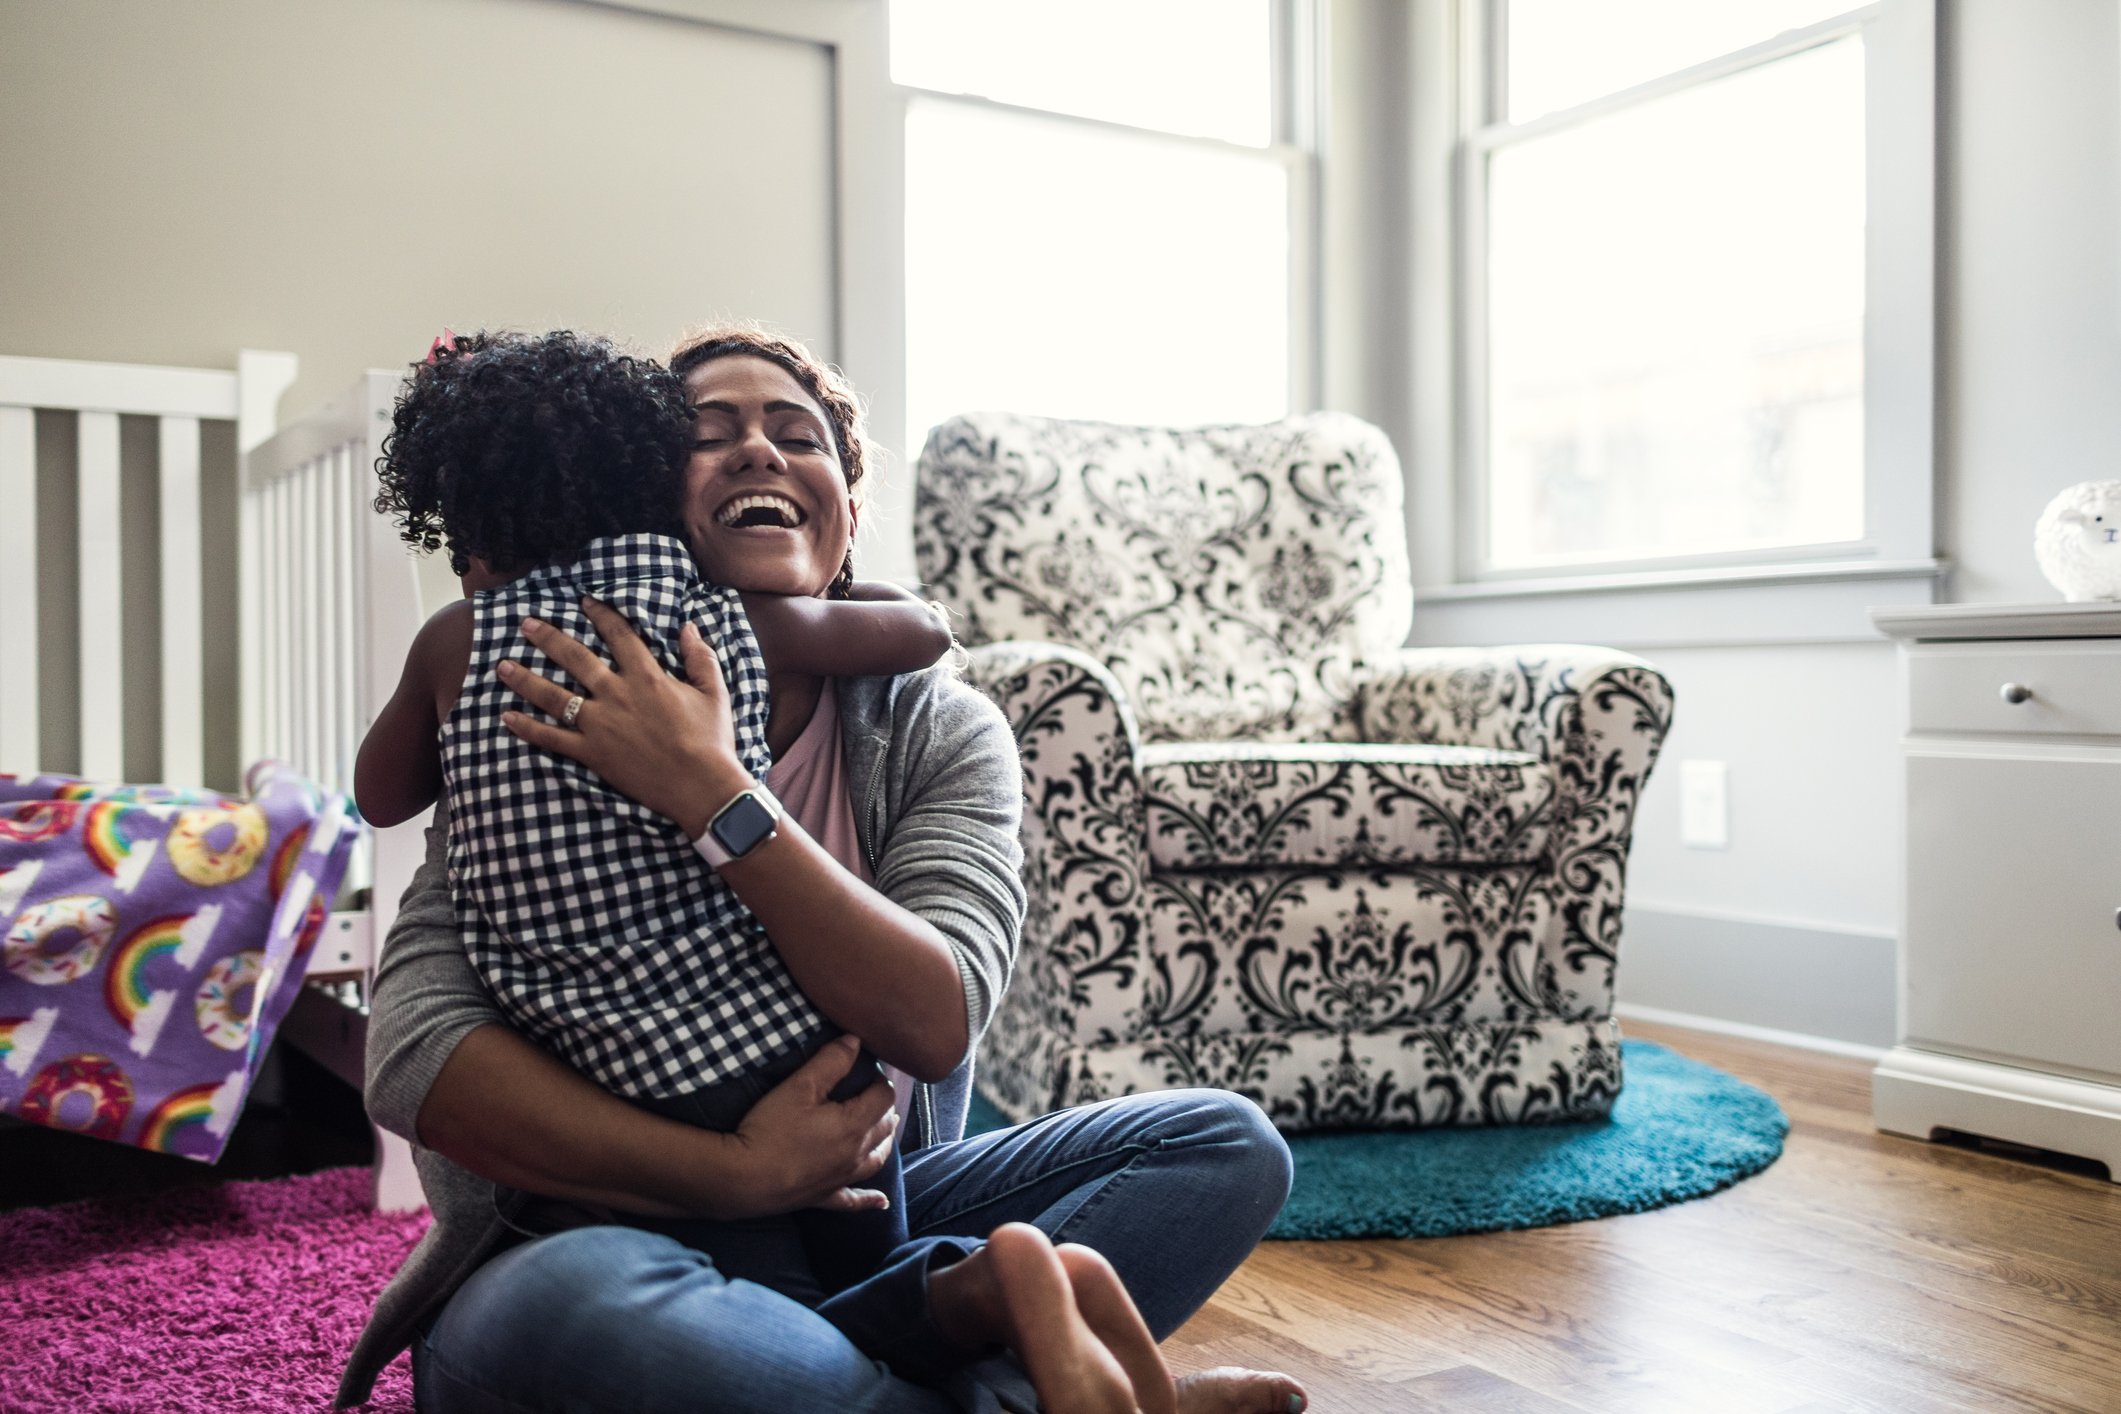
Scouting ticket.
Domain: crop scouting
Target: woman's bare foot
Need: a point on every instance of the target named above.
(1112, 1316)
(1067, 1315)
(1015, 1291)
(1102, 1301)
(1226, 1389)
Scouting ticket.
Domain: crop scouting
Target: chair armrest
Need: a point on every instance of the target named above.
(1086, 859)
(1029, 679)
(1566, 703)
(1599, 718)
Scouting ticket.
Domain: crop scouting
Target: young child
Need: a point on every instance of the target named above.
(552, 467)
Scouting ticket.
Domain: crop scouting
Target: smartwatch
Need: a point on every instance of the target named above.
(740, 827)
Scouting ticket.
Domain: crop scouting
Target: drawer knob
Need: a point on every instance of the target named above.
(2016, 692)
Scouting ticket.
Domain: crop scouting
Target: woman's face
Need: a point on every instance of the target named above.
(766, 503)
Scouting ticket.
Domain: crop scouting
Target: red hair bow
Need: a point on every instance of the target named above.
(447, 339)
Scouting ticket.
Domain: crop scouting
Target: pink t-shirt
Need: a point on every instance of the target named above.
(810, 781)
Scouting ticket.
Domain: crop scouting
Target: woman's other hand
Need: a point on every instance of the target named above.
(805, 1150)
(668, 744)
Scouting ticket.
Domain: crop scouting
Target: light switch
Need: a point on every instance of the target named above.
(1704, 805)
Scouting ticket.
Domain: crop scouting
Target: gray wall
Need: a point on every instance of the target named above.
(183, 181)
(1793, 926)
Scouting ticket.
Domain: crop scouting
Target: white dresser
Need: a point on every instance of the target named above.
(2010, 947)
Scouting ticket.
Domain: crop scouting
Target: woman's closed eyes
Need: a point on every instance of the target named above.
(808, 441)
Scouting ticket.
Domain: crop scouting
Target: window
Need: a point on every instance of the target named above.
(1695, 251)
(1102, 210)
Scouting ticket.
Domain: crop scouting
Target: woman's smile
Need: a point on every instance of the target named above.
(759, 510)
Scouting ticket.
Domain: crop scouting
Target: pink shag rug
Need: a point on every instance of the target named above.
(241, 1298)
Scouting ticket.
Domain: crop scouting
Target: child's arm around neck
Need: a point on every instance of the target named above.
(399, 771)
(877, 631)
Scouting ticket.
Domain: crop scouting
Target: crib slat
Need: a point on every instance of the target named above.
(299, 576)
(283, 554)
(361, 473)
(324, 569)
(249, 661)
(102, 643)
(276, 617)
(345, 692)
(258, 652)
(312, 641)
(183, 661)
(326, 764)
(18, 627)
(275, 620)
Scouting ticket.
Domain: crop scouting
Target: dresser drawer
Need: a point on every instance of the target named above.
(2073, 687)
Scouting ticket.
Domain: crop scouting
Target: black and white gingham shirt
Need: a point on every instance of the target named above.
(593, 921)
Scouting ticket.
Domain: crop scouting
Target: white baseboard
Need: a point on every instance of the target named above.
(1717, 1025)
(1779, 977)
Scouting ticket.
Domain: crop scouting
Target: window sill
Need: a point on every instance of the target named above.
(1823, 602)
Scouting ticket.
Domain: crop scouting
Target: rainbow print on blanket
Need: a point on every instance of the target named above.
(154, 938)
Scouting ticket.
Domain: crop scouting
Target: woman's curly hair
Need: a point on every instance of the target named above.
(841, 404)
(521, 449)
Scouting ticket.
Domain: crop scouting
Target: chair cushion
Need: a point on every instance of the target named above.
(1231, 578)
(1223, 805)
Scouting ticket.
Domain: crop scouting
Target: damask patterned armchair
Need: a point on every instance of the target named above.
(1269, 848)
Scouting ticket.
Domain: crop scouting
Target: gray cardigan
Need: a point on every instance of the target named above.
(937, 795)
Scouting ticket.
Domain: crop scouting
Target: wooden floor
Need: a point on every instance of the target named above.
(1860, 1273)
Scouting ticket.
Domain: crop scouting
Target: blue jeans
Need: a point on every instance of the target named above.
(1174, 1188)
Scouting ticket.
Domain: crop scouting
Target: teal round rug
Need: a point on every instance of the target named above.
(1679, 1130)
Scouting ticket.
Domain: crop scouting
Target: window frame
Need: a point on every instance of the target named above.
(1822, 589)
(1294, 144)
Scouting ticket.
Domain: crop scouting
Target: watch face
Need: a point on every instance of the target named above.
(741, 826)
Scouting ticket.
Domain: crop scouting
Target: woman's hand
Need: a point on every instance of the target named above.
(668, 744)
(803, 1150)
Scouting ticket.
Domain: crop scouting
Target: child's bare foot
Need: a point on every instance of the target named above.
(1016, 1292)
(1226, 1389)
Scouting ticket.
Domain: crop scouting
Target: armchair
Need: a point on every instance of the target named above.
(1267, 847)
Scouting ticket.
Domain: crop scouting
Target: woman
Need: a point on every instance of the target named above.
(901, 926)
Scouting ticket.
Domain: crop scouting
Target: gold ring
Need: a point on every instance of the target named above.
(572, 710)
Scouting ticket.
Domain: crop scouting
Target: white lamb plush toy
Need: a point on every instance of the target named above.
(2078, 541)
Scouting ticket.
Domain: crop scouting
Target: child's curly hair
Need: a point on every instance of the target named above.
(521, 449)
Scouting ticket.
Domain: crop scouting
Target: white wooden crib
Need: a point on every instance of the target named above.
(328, 601)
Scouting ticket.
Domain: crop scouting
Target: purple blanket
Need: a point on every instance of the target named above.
(155, 938)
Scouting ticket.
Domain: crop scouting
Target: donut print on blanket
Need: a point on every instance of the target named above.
(222, 1004)
(38, 820)
(285, 857)
(88, 1094)
(60, 940)
(215, 847)
(151, 940)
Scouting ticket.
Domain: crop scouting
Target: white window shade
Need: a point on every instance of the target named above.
(1675, 324)
(1202, 67)
(1058, 268)
(1564, 52)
